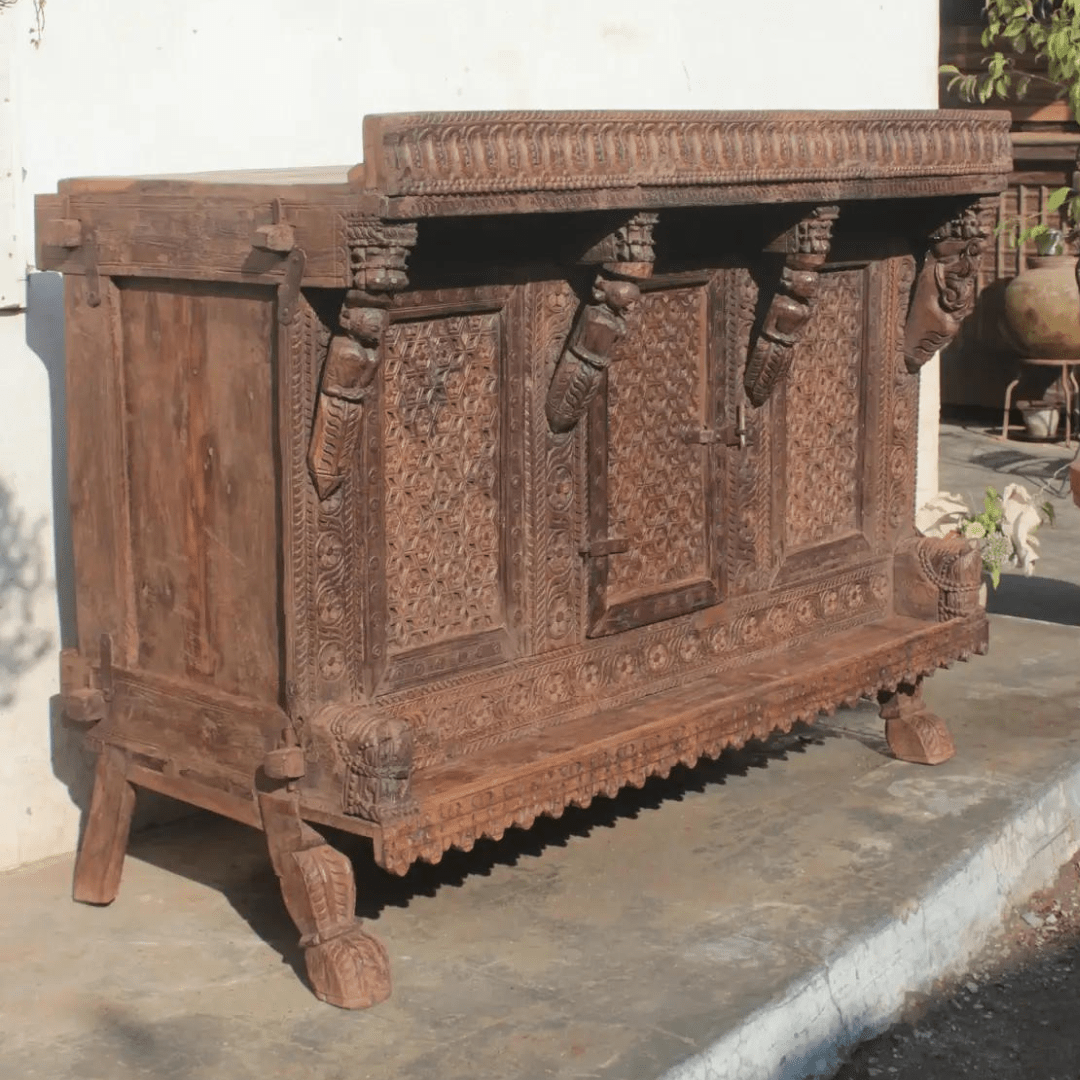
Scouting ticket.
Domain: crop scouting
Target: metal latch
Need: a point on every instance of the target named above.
(607, 545)
(730, 436)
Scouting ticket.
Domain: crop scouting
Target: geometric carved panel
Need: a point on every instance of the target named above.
(442, 465)
(824, 414)
(657, 476)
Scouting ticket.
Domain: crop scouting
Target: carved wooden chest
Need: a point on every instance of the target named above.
(534, 455)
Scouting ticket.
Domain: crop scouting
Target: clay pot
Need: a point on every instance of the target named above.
(1042, 308)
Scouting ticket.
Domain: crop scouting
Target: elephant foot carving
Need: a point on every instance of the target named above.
(347, 967)
(912, 731)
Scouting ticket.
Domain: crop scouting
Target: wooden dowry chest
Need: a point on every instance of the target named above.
(534, 455)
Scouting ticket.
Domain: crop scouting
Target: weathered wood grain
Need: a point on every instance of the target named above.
(403, 510)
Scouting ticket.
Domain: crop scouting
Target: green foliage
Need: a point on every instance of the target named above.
(990, 529)
(1049, 34)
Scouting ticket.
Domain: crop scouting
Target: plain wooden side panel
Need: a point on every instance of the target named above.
(199, 387)
(97, 486)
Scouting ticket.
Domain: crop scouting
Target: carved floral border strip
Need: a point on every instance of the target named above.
(465, 715)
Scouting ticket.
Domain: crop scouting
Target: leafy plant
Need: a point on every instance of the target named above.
(1003, 529)
(1049, 32)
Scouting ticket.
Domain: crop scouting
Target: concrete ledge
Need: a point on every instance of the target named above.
(753, 917)
(861, 989)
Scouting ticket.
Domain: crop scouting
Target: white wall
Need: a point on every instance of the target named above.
(143, 86)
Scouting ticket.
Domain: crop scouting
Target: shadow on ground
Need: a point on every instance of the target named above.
(1045, 599)
(1017, 464)
(245, 878)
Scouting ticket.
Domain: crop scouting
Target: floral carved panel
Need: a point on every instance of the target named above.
(653, 444)
(824, 416)
(442, 461)
(656, 474)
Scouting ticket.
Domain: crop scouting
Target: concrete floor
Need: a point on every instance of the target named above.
(751, 917)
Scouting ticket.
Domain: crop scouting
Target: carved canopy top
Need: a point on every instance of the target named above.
(490, 153)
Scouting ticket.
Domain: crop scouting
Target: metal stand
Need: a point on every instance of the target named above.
(1068, 394)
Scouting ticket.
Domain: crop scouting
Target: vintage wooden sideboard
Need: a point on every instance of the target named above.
(532, 456)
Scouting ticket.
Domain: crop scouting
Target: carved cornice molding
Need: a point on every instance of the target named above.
(484, 153)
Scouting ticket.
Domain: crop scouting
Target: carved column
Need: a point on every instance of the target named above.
(626, 257)
(807, 247)
(378, 251)
(945, 290)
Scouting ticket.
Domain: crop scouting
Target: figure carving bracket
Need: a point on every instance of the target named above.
(378, 253)
(626, 257)
(374, 752)
(771, 353)
(945, 291)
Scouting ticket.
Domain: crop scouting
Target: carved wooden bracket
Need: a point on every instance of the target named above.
(807, 247)
(626, 256)
(945, 291)
(937, 578)
(376, 754)
(378, 252)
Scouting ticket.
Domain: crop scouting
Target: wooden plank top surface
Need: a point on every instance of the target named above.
(429, 164)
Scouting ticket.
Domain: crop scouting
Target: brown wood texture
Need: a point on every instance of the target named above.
(198, 392)
(404, 511)
(100, 862)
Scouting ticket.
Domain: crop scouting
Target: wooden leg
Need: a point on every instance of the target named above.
(100, 861)
(347, 967)
(913, 732)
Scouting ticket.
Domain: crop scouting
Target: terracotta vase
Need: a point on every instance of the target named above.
(1042, 308)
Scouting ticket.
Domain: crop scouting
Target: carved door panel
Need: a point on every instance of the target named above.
(651, 550)
(450, 463)
(828, 416)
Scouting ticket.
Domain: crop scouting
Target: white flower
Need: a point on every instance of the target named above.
(1020, 518)
(942, 515)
